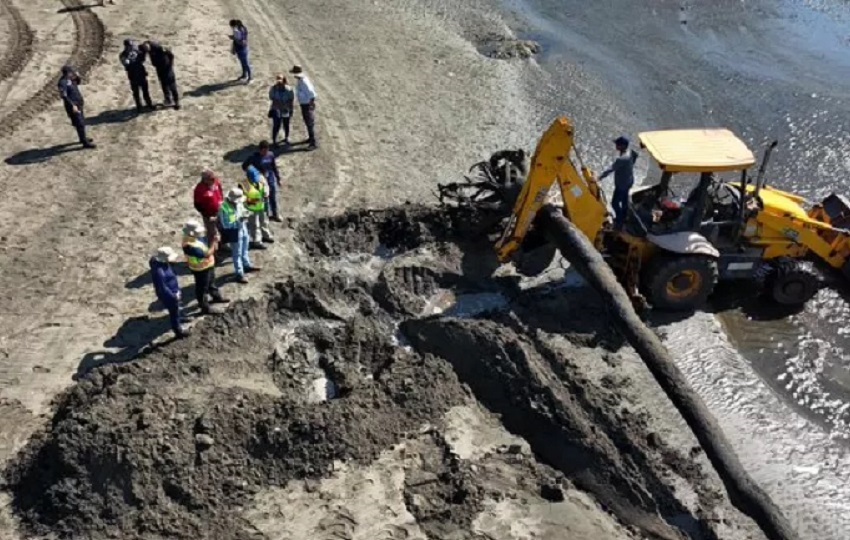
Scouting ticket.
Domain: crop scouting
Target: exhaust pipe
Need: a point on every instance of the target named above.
(763, 167)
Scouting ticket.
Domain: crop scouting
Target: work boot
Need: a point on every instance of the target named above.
(253, 269)
(256, 245)
(219, 300)
(268, 240)
(242, 279)
(176, 106)
(89, 144)
(276, 219)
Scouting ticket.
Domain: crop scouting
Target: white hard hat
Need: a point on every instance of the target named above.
(165, 254)
(235, 195)
(193, 228)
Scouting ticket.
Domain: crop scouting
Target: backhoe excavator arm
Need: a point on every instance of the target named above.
(583, 202)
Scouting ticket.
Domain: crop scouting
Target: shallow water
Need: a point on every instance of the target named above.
(767, 70)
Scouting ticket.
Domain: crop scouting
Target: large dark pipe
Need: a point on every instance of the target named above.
(743, 492)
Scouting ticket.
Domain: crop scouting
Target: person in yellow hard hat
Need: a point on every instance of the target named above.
(200, 257)
(255, 188)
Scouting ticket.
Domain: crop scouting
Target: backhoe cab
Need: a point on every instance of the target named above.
(676, 242)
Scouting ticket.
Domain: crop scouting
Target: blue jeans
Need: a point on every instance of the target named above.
(239, 251)
(271, 201)
(173, 307)
(242, 55)
(620, 203)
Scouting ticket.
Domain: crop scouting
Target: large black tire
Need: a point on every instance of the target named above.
(791, 283)
(679, 282)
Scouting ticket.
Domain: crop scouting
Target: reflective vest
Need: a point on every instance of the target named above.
(228, 215)
(198, 264)
(255, 197)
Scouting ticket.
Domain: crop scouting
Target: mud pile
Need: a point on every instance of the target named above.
(355, 381)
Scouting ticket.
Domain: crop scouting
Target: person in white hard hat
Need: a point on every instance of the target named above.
(200, 256)
(232, 217)
(167, 287)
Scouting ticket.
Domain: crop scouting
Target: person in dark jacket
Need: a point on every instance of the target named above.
(133, 60)
(167, 287)
(162, 60)
(73, 101)
(624, 179)
(265, 162)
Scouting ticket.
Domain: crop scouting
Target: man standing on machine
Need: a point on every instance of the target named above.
(624, 179)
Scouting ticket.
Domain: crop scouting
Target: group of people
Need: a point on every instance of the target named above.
(238, 219)
(283, 98)
(162, 59)
(132, 58)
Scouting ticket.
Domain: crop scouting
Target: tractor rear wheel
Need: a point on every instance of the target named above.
(679, 283)
(791, 284)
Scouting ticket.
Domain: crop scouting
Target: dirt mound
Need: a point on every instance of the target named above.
(395, 230)
(506, 48)
(272, 415)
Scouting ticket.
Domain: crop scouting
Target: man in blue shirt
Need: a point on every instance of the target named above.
(167, 287)
(624, 179)
(72, 99)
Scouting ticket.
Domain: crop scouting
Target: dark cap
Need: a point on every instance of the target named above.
(66, 69)
(296, 69)
(128, 42)
(621, 141)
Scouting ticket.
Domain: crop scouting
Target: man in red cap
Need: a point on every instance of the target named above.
(208, 198)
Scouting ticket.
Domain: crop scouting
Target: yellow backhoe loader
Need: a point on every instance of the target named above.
(675, 245)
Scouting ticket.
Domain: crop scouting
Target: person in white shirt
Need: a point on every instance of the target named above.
(306, 96)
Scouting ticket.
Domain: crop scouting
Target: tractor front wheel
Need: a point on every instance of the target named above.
(679, 283)
(791, 284)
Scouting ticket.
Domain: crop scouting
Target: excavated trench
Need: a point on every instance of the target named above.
(344, 365)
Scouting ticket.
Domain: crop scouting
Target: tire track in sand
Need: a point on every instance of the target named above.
(20, 39)
(89, 39)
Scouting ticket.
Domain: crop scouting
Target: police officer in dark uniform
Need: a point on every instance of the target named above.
(133, 60)
(72, 99)
(163, 61)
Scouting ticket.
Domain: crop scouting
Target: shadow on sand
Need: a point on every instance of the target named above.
(208, 89)
(40, 155)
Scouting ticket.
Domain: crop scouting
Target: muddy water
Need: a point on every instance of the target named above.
(768, 70)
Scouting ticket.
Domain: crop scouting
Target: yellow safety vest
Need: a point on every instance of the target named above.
(198, 264)
(255, 199)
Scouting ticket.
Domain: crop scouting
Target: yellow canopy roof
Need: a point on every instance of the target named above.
(697, 150)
